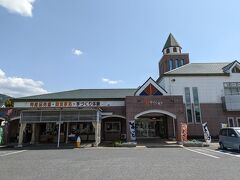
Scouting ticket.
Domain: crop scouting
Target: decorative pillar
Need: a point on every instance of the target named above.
(22, 129)
(97, 126)
(33, 134)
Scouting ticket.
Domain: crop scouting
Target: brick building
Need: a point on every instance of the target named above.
(185, 92)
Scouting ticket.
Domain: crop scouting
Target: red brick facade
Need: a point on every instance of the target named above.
(171, 104)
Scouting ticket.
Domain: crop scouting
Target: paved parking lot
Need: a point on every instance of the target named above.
(119, 163)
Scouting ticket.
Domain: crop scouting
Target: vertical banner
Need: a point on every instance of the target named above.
(206, 133)
(183, 132)
(132, 130)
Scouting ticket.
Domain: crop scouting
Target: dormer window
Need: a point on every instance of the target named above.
(235, 70)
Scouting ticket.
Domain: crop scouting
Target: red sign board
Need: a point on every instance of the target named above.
(183, 132)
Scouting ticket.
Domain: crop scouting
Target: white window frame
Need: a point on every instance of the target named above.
(200, 112)
(231, 118)
(188, 104)
(238, 121)
(112, 126)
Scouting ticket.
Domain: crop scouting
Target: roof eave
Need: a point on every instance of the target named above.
(199, 74)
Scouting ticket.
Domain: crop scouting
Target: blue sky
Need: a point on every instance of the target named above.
(52, 45)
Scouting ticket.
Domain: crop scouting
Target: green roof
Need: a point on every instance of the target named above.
(83, 94)
(171, 42)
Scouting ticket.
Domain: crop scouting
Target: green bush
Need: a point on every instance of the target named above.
(116, 142)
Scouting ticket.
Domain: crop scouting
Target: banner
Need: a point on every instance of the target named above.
(206, 133)
(132, 130)
(183, 132)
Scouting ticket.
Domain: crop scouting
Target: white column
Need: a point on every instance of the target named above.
(59, 131)
(59, 128)
(98, 128)
(33, 134)
(21, 130)
(174, 129)
(67, 132)
(96, 131)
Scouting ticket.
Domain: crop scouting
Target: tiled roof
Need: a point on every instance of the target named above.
(199, 68)
(171, 42)
(83, 94)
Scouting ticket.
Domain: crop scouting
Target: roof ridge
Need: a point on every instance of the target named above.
(210, 63)
(177, 68)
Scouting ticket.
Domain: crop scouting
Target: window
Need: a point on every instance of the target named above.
(170, 64)
(181, 62)
(112, 126)
(188, 105)
(231, 88)
(238, 121)
(235, 70)
(230, 122)
(197, 111)
(176, 63)
(174, 49)
(231, 133)
(168, 51)
(223, 132)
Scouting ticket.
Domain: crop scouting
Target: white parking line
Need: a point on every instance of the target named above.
(15, 152)
(224, 152)
(202, 153)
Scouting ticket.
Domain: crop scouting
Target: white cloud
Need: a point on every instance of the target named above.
(22, 7)
(17, 87)
(77, 52)
(111, 81)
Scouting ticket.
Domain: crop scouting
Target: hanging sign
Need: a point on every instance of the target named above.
(206, 133)
(132, 130)
(183, 132)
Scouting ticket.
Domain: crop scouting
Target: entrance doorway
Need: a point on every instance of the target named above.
(151, 128)
(155, 124)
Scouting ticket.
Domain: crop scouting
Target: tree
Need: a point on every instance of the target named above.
(8, 103)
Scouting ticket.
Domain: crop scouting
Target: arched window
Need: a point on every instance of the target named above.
(181, 62)
(168, 50)
(176, 63)
(174, 49)
(170, 65)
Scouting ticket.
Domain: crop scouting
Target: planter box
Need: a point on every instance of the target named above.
(195, 144)
(126, 145)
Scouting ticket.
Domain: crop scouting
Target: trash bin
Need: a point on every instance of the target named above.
(78, 142)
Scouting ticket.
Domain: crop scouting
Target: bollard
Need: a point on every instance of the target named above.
(78, 142)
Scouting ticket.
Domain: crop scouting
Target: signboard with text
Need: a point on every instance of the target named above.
(49, 104)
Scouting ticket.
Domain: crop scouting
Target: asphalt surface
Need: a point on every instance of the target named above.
(119, 163)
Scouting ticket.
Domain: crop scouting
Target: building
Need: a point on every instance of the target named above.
(185, 92)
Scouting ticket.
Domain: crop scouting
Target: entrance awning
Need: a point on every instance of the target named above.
(68, 115)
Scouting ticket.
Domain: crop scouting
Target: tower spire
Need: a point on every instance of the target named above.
(171, 45)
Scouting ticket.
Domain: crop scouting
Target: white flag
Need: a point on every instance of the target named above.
(206, 133)
(132, 130)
